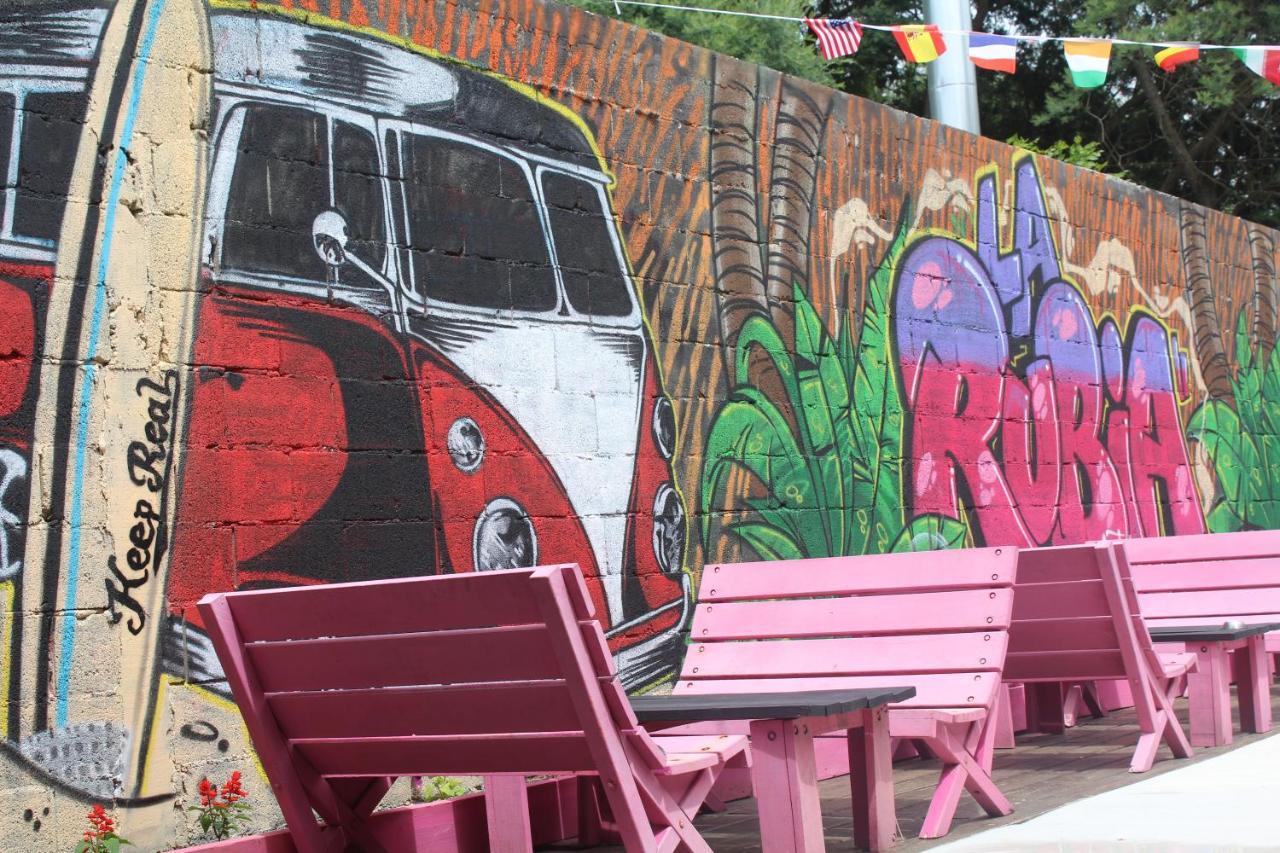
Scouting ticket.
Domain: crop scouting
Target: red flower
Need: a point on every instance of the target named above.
(232, 790)
(208, 792)
(103, 823)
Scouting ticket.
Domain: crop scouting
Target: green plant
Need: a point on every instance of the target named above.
(428, 789)
(1243, 442)
(101, 836)
(832, 473)
(222, 811)
(1078, 152)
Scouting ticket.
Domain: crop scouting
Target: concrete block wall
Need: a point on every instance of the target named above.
(312, 291)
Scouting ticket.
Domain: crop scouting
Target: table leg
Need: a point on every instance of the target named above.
(1253, 688)
(786, 783)
(871, 782)
(1210, 696)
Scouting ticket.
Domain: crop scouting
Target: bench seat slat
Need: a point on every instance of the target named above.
(535, 752)
(518, 653)
(975, 568)
(933, 690)
(395, 712)
(930, 612)
(960, 652)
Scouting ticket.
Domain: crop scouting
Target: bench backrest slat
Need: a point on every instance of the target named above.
(391, 660)
(869, 615)
(398, 606)
(453, 755)
(1250, 544)
(933, 620)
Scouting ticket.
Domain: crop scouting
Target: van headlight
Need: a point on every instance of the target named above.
(664, 427)
(668, 529)
(504, 537)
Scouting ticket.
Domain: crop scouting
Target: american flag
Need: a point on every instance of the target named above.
(836, 37)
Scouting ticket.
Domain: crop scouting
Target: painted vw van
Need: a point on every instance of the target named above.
(418, 310)
(359, 313)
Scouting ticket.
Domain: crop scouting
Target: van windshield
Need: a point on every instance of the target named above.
(283, 179)
(475, 238)
(594, 278)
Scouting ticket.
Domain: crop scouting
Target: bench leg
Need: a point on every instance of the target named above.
(506, 804)
(1210, 696)
(1253, 687)
(1044, 707)
(1004, 719)
(786, 784)
(875, 824)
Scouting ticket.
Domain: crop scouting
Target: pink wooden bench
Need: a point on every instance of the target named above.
(346, 687)
(1209, 580)
(934, 621)
(1075, 620)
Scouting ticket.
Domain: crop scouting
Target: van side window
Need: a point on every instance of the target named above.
(51, 127)
(474, 231)
(280, 183)
(594, 279)
(357, 194)
(6, 145)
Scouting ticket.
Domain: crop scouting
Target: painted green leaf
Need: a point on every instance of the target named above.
(1233, 454)
(1223, 519)
(768, 541)
(932, 533)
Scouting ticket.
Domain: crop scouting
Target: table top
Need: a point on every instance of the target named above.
(1202, 633)
(787, 705)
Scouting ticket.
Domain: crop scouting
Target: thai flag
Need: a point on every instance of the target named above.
(836, 37)
(994, 53)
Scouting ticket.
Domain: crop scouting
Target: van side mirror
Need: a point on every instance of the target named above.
(329, 236)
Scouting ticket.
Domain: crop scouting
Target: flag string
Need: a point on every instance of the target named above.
(890, 28)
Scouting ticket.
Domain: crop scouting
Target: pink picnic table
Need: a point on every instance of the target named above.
(1209, 686)
(785, 787)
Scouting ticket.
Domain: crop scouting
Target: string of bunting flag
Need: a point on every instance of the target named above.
(1087, 58)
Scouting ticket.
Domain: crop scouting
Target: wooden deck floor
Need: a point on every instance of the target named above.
(1043, 772)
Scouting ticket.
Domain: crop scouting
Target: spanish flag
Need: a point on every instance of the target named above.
(920, 42)
(1171, 57)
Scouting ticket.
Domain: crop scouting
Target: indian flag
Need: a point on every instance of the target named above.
(1088, 60)
(1178, 54)
(920, 42)
(1263, 61)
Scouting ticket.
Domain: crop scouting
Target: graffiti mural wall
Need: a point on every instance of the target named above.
(308, 291)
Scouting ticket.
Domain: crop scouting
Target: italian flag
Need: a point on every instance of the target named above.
(1088, 60)
(1263, 61)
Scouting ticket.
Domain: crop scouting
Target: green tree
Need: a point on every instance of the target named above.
(1206, 132)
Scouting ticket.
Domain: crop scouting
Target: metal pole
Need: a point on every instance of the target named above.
(953, 87)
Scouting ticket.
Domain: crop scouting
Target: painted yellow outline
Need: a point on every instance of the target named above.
(6, 651)
(304, 17)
